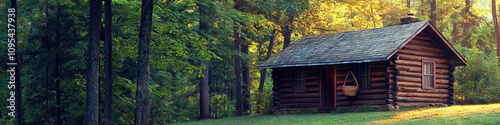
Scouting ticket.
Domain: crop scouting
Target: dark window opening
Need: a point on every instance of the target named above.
(298, 85)
(364, 75)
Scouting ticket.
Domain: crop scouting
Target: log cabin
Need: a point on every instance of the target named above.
(410, 64)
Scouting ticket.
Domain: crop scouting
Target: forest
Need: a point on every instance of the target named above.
(172, 61)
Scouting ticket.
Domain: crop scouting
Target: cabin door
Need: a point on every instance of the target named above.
(329, 88)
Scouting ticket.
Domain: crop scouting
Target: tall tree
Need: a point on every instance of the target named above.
(246, 79)
(143, 71)
(57, 68)
(495, 22)
(204, 105)
(433, 12)
(467, 24)
(108, 65)
(287, 31)
(92, 103)
(263, 72)
(237, 71)
(237, 68)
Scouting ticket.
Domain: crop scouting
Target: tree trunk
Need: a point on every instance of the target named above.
(408, 3)
(47, 64)
(495, 22)
(246, 78)
(433, 12)
(454, 33)
(204, 92)
(92, 104)
(422, 10)
(263, 72)
(17, 67)
(237, 71)
(57, 68)
(467, 24)
(142, 95)
(287, 32)
(108, 65)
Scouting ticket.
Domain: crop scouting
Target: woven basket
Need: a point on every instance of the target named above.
(350, 90)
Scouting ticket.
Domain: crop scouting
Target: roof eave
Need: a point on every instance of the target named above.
(321, 64)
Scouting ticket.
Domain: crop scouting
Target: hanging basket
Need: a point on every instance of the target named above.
(350, 90)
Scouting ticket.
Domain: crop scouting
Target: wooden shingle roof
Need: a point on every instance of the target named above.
(348, 47)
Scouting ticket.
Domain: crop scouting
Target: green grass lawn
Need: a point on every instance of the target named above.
(448, 115)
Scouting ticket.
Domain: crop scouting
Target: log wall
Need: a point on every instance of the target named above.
(285, 98)
(405, 75)
(376, 94)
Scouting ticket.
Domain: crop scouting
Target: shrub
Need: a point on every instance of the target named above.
(479, 81)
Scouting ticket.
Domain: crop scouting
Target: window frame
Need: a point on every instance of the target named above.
(299, 82)
(368, 75)
(433, 74)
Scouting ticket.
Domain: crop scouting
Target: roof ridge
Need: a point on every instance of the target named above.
(422, 21)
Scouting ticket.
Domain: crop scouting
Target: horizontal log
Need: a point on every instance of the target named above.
(391, 82)
(341, 82)
(286, 79)
(414, 94)
(389, 101)
(419, 89)
(314, 77)
(422, 48)
(393, 71)
(378, 85)
(426, 43)
(417, 103)
(441, 86)
(409, 68)
(421, 53)
(302, 95)
(410, 74)
(372, 91)
(377, 73)
(420, 58)
(442, 81)
(409, 79)
(442, 66)
(409, 84)
(300, 105)
(286, 85)
(300, 100)
(312, 83)
(286, 90)
(408, 62)
(377, 79)
(312, 89)
(341, 75)
(442, 71)
(438, 76)
(362, 97)
(361, 102)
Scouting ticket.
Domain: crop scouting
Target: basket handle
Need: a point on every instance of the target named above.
(352, 76)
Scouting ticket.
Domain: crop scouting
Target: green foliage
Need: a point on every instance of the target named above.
(179, 51)
(478, 82)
